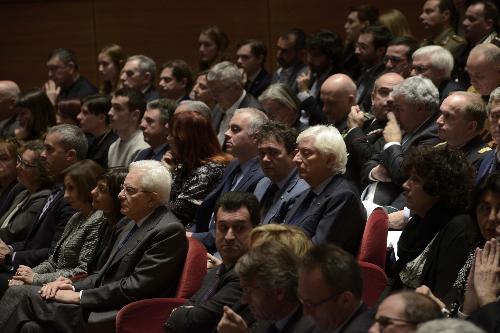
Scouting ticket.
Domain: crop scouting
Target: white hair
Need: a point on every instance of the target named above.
(257, 119)
(494, 98)
(440, 58)
(329, 142)
(197, 106)
(490, 52)
(449, 325)
(226, 72)
(418, 90)
(155, 177)
(145, 65)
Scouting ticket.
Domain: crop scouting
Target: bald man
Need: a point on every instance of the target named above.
(9, 91)
(338, 94)
(483, 66)
(364, 137)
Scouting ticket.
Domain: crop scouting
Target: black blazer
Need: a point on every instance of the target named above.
(261, 82)
(216, 116)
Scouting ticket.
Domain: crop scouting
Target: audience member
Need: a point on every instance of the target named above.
(396, 22)
(398, 57)
(282, 105)
(403, 312)
(94, 121)
(436, 63)
(35, 113)
(338, 94)
(26, 206)
(65, 80)
(359, 17)
(155, 129)
(280, 188)
(213, 47)
(139, 72)
(448, 325)
(439, 17)
(8, 183)
(331, 200)
(110, 61)
(176, 80)
(226, 87)
(195, 106)
(330, 288)
(251, 59)
(127, 108)
(242, 174)
(490, 162)
(236, 213)
(153, 242)
(324, 51)
(370, 49)
(292, 237)
(195, 160)
(483, 67)
(67, 111)
(9, 91)
(290, 56)
(201, 92)
(461, 123)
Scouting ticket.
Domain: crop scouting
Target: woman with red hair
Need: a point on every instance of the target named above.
(195, 160)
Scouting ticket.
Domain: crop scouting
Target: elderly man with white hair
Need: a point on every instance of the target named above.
(9, 91)
(436, 63)
(146, 261)
(330, 211)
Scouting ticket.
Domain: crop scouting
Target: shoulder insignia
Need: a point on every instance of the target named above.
(484, 150)
(440, 144)
(458, 39)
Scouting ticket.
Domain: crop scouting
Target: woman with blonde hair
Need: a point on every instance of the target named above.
(396, 22)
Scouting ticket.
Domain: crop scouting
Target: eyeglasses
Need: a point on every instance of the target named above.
(393, 59)
(24, 164)
(312, 305)
(384, 321)
(130, 191)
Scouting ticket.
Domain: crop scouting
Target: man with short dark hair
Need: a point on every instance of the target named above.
(154, 128)
(127, 109)
(290, 56)
(176, 80)
(370, 49)
(65, 80)
(282, 185)
(404, 311)
(236, 214)
(330, 289)
(438, 19)
(139, 72)
(359, 17)
(398, 56)
(251, 58)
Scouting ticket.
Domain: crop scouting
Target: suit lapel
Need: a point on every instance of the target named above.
(248, 175)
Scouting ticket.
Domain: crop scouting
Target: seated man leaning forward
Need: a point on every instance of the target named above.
(145, 262)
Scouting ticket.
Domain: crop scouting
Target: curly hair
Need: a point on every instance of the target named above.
(446, 172)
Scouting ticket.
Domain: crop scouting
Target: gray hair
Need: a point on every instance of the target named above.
(272, 265)
(329, 142)
(418, 90)
(166, 106)
(226, 72)
(440, 58)
(9, 89)
(281, 94)
(490, 52)
(494, 98)
(197, 106)
(72, 137)
(155, 178)
(449, 325)
(258, 118)
(145, 65)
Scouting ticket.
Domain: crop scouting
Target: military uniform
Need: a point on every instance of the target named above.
(474, 150)
(449, 40)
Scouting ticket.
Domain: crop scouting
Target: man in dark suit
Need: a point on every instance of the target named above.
(330, 288)
(176, 80)
(268, 277)
(251, 58)
(282, 185)
(242, 174)
(225, 84)
(139, 72)
(146, 261)
(490, 162)
(330, 211)
(154, 128)
(236, 214)
(9, 91)
(338, 94)
(64, 145)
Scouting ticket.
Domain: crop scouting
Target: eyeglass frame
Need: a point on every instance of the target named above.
(323, 301)
(126, 190)
(385, 321)
(23, 163)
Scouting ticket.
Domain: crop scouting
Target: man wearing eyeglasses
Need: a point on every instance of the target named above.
(402, 312)
(397, 58)
(330, 289)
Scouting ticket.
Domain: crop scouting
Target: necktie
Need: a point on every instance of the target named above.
(268, 199)
(130, 233)
(51, 198)
(214, 286)
(303, 208)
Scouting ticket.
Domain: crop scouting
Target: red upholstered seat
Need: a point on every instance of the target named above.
(374, 243)
(374, 282)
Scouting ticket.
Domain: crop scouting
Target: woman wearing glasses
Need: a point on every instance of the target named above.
(31, 173)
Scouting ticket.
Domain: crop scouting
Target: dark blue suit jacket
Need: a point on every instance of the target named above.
(146, 153)
(487, 166)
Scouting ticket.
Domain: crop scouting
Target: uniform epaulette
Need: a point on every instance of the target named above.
(484, 150)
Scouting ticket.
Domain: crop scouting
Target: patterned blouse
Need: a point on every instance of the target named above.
(73, 251)
(189, 190)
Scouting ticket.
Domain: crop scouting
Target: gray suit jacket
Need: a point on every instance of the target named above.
(294, 187)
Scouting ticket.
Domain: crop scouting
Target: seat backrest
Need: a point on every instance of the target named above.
(374, 282)
(194, 270)
(374, 243)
